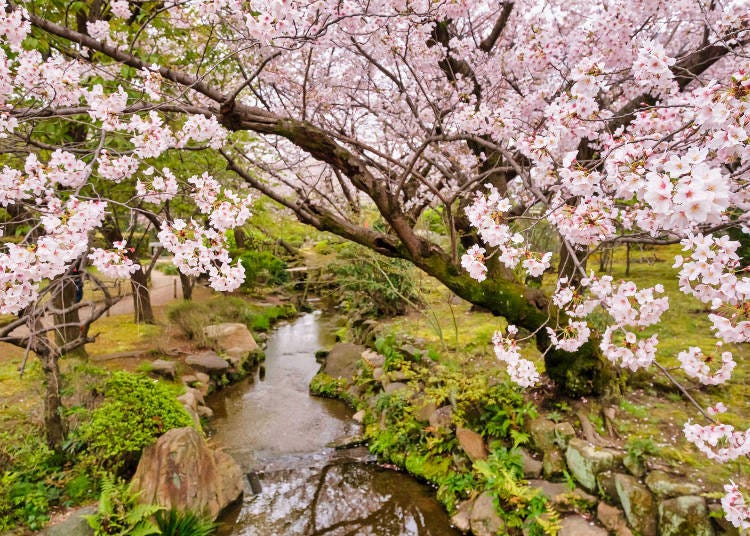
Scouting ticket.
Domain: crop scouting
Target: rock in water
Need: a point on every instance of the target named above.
(181, 471)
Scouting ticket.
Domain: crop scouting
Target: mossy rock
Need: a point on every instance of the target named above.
(638, 504)
(585, 461)
(684, 516)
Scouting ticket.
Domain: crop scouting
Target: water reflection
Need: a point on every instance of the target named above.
(341, 499)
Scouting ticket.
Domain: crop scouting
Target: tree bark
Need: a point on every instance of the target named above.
(69, 322)
(54, 426)
(144, 313)
(187, 283)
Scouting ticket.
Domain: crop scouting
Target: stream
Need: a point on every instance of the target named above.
(275, 429)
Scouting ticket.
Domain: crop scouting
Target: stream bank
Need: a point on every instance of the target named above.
(279, 434)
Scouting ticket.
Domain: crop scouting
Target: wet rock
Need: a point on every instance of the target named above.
(684, 516)
(462, 518)
(613, 519)
(321, 355)
(564, 432)
(359, 416)
(162, 367)
(484, 519)
(605, 485)
(208, 362)
(347, 442)
(472, 444)
(553, 464)
(181, 471)
(585, 461)
(532, 468)
(542, 432)
(638, 504)
(205, 412)
(441, 417)
(342, 360)
(667, 486)
(578, 526)
(74, 524)
(372, 358)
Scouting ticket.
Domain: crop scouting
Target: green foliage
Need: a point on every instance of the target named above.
(167, 268)
(372, 284)
(263, 267)
(174, 522)
(638, 447)
(120, 513)
(323, 385)
(191, 317)
(386, 346)
(27, 480)
(136, 410)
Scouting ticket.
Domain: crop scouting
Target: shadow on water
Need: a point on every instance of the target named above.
(278, 432)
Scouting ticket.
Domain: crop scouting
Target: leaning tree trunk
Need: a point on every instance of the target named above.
(144, 313)
(68, 321)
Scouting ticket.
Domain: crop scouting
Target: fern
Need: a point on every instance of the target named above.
(119, 512)
(175, 523)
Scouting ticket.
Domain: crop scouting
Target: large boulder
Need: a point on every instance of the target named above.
(585, 461)
(542, 432)
(74, 524)
(233, 339)
(181, 471)
(165, 368)
(638, 504)
(484, 519)
(685, 516)
(208, 362)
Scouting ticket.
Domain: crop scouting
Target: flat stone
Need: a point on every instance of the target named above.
(347, 442)
(585, 461)
(613, 519)
(342, 360)
(684, 516)
(667, 486)
(162, 367)
(484, 519)
(359, 416)
(578, 526)
(472, 444)
(208, 362)
(638, 504)
(441, 417)
(532, 468)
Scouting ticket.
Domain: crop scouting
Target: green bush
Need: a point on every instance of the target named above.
(136, 410)
(372, 284)
(263, 267)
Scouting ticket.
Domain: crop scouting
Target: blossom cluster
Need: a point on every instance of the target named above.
(114, 263)
(521, 371)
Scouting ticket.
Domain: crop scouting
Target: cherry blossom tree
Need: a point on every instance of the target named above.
(602, 123)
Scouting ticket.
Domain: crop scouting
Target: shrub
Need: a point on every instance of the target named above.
(372, 284)
(263, 267)
(136, 410)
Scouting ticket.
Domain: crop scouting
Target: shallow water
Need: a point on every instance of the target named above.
(274, 428)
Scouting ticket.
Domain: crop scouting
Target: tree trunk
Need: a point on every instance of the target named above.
(187, 283)
(144, 314)
(63, 297)
(54, 426)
